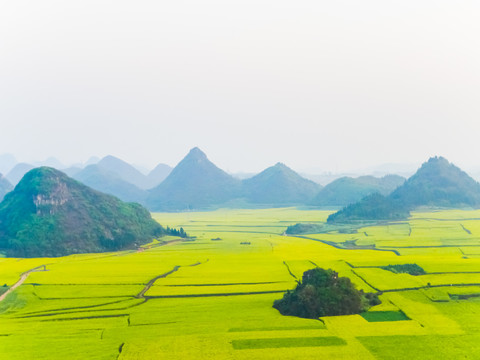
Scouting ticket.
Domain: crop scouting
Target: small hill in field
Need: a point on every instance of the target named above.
(348, 190)
(50, 214)
(323, 293)
(195, 183)
(279, 186)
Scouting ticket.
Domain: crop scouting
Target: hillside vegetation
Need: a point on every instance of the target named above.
(50, 214)
(437, 183)
(204, 299)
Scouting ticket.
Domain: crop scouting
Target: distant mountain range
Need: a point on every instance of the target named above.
(5, 187)
(116, 177)
(347, 190)
(198, 184)
(279, 186)
(157, 175)
(123, 170)
(110, 182)
(437, 183)
(50, 214)
(17, 172)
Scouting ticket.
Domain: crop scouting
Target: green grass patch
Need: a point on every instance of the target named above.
(377, 316)
(278, 328)
(287, 342)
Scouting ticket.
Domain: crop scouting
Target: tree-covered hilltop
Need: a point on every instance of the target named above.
(5, 186)
(323, 293)
(437, 183)
(279, 185)
(348, 190)
(50, 214)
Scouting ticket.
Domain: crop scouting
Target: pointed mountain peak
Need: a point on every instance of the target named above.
(195, 183)
(437, 160)
(281, 166)
(439, 166)
(196, 153)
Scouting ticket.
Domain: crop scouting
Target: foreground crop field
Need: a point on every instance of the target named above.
(211, 297)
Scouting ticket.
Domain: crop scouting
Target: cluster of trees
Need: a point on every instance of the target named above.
(323, 293)
(305, 228)
(174, 232)
(412, 269)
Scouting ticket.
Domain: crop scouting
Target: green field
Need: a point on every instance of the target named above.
(211, 297)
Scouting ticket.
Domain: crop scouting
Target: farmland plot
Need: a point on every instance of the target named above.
(211, 297)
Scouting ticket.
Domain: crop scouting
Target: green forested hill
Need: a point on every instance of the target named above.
(437, 183)
(50, 214)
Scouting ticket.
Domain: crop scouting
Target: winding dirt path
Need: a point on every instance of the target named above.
(22, 279)
(147, 287)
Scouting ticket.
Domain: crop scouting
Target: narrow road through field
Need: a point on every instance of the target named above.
(22, 279)
(147, 287)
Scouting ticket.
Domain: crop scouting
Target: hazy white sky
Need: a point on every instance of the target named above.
(332, 85)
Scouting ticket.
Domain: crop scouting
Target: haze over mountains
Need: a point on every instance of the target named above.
(198, 184)
(347, 190)
(110, 182)
(5, 187)
(17, 172)
(279, 185)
